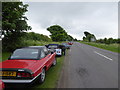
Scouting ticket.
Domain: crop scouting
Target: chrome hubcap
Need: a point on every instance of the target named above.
(43, 75)
(54, 62)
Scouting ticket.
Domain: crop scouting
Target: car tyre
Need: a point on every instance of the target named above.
(54, 62)
(41, 78)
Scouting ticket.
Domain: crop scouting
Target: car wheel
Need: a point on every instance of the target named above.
(54, 62)
(41, 78)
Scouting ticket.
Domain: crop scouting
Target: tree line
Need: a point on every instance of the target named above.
(108, 41)
(91, 38)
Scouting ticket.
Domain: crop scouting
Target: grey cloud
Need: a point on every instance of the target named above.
(76, 17)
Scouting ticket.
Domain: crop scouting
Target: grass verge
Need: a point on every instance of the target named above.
(5, 55)
(110, 47)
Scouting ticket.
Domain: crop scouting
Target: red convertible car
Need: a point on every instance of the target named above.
(27, 64)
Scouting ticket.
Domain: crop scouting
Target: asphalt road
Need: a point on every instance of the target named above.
(89, 67)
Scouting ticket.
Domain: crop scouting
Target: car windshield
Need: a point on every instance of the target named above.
(25, 54)
(64, 43)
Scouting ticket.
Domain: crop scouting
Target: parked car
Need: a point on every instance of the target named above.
(66, 45)
(70, 43)
(2, 86)
(45, 49)
(55, 48)
(27, 64)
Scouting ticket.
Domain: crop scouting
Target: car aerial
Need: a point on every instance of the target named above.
(56, 48)
(27, 64)
(66, 45)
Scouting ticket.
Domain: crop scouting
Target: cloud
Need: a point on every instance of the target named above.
(99, 18)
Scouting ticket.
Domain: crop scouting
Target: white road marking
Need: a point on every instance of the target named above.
(103, 56)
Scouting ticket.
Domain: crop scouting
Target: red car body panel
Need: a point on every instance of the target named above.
(45, 62)
(17, 63)
(70, 43)
(2, 86)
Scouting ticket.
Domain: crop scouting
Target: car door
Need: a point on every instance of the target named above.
(48, 55)
(47, 58)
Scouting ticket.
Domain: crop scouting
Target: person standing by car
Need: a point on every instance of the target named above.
(63, 49)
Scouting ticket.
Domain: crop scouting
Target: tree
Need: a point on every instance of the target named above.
(105, 40)
(58, 33)
(75, 39)
(69, 37)
(13, 19)
(86, 33)
(83, 38)
(89, 37)
(13, 23)
(110, 40)
(118, 41)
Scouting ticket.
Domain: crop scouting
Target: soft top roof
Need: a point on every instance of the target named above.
(54, 44)
(34, 47)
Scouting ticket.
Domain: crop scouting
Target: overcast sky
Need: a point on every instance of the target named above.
(98, 18)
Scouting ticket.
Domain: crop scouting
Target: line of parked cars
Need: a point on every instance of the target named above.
(59, 48)
(29, 64)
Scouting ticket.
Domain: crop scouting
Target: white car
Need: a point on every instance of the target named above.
(58, 52)
(55, 47)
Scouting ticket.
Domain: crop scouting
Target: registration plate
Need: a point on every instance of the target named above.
(7, 73)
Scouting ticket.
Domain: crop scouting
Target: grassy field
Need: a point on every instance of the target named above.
(5, 55)
(110, 47)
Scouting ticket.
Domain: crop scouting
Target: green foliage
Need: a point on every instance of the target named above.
(118, 41)
(13, 19)
(13, 24)
(83, 38)
(58, 33)
(70, 38)
(11, 42)
(36, 37)
(89, 37)
(26, 39)
(86, 33)
(75, 39)
(108, 41)
(5, 55)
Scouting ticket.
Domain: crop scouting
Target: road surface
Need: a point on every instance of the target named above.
(89, 67)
